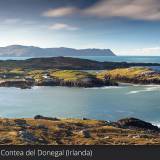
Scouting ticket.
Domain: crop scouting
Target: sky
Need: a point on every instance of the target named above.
(127, 27)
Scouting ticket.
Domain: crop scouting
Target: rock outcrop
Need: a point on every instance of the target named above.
(134, 123)
(23, 84)
(46, 118)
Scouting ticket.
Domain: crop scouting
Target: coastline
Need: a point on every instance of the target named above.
(48, 130)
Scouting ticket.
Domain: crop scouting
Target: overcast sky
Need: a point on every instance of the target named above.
(128, 27)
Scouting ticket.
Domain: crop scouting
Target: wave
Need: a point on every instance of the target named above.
(106, 87)
(137, 85)
(151, 88)
(146, 85)
(134, 92)
(36, 87)
(156, 124)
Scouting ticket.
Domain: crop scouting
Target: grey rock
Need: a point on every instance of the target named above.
(136, 124)
(46, 118)
(85, 133)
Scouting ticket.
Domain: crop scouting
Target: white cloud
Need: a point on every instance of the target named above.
(132, 9)
(62, 26)
(15, 21)
(150, 51)
(11, 21)
(60, 12)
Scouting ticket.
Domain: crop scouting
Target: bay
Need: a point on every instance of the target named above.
(106, 103)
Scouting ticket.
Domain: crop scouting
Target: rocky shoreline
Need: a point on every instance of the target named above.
(48, 130)
(25, 84)
(72, 78)
(27, 79)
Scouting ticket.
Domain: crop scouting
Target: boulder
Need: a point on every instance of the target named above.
(30, 138)
(85, 133)
(68, 132)
(42, 127)
(5, 140)
(46, 118)
(27, 136)
(21, 123)
(8, 123)
(85, 119)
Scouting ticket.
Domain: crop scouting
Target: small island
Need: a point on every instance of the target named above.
(64, 71)
(71, 78)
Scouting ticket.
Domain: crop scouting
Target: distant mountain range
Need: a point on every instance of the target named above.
(31, 51)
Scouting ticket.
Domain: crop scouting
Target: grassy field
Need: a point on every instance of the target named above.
(70, 75)
(142, 75)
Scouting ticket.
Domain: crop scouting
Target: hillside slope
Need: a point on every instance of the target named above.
(47, 130)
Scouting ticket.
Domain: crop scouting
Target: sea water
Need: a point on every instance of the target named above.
(105, 103)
